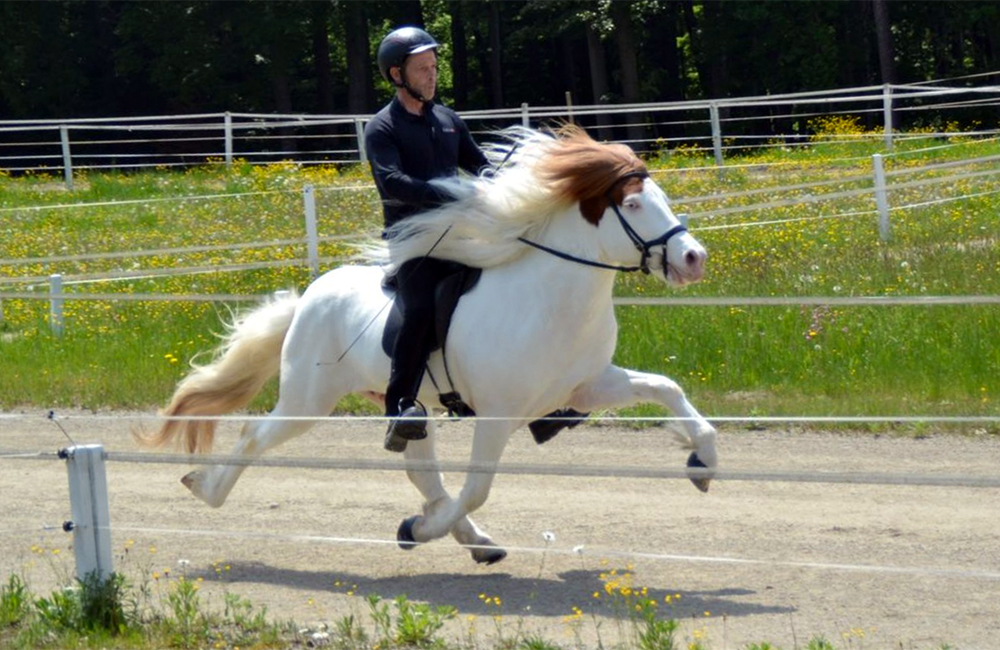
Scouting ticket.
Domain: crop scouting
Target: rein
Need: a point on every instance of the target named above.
(641, 245)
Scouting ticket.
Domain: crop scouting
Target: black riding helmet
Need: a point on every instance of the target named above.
(400, 44)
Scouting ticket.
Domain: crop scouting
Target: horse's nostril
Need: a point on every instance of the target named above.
(692, 258)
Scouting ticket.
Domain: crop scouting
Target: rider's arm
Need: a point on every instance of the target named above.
(395, 184)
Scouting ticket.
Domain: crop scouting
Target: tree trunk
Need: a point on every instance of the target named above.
(599, 80)
(320, 23)
(360, 93)
(625, 39)
(667, 54)
(459, 55)
(883, 34)
(496, 71)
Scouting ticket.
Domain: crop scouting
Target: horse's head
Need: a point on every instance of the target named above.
(664, 246)
(636, 228)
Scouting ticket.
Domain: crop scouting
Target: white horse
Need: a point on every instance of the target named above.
(537, 333)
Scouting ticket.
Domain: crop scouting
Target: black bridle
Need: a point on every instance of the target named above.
(643, 246)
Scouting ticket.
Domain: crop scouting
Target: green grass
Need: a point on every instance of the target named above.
(757, 360)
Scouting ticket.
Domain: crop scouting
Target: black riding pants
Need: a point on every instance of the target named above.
(416, 281)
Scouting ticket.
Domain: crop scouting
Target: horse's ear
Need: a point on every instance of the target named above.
(593, 208)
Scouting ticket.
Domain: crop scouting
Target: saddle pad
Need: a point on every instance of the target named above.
(449, 290)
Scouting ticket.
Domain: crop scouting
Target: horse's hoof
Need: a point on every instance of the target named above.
(404, 535)
(488, 555)
(701, 480)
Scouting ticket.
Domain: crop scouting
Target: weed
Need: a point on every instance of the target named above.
(15, 601)
(188, 625)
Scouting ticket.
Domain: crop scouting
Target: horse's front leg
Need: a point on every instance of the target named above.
(617, 387)
(421, 457)
(443, 514)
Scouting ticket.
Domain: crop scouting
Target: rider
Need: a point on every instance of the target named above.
(411, 141)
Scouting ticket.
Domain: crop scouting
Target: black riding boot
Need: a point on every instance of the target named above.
(545, 429)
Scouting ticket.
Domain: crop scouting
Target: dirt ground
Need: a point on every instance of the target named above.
(864, 565)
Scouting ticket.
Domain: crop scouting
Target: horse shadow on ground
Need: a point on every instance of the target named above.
(518, 596)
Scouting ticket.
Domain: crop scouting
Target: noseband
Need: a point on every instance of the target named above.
(642, 245)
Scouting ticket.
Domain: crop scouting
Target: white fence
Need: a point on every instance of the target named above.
(901, 189)
(724, 126)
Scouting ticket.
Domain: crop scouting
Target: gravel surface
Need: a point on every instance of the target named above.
(865, 565)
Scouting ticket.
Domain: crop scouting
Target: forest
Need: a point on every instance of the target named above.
(104, 58)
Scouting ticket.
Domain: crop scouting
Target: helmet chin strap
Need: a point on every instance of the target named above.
(405, 85)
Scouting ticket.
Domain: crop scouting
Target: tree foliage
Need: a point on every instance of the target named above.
(65, 58)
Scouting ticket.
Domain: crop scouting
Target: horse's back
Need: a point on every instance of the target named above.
(338, 323)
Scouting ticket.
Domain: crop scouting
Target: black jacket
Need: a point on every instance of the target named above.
(405, 151)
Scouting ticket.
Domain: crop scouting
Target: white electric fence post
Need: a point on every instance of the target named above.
(91, 524)
(525, 118)
(67, 157)
(569, 106)
(359, 131)
(713, 114)
(56, 304)
(881, 198)
(312, 237)
(228, 126)
(887, 115)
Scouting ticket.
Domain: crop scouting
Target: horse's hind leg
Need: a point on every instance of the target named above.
(213, 483)
(429, 482)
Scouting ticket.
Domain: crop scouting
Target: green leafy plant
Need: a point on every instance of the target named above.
(15, 601)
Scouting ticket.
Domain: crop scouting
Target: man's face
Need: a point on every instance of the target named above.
(421, 73)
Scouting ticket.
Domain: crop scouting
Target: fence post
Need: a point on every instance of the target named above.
(91, 524)
(881, 199)
(713, 114)
(228, 126)
(359, 131)
(569, 106)
(56, 304)
(887, 115)
(312, 237)
(67, 157)
(525, 119)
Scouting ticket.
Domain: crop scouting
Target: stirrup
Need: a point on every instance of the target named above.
(410, 424)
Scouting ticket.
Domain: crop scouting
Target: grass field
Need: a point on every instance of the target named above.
(732, 360)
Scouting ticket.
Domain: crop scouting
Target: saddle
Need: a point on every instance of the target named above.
(460, 280)
(450, 288)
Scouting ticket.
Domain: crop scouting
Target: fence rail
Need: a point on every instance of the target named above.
(725, 126)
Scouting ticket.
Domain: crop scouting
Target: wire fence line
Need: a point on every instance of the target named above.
(678, 301)
(797, 199)
(536, 469)
(585, 550)
(25, 145)
(550, 549)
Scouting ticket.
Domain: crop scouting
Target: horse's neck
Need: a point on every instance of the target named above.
(591, 287)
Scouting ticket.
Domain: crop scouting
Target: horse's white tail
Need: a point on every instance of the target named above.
(249, 355)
